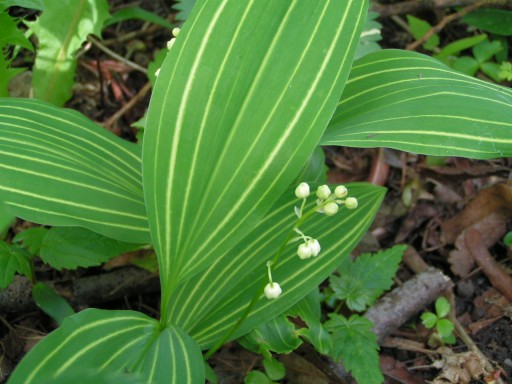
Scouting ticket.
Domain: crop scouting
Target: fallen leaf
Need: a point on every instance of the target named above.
(496, 275)
(491, 229)
(496, 199)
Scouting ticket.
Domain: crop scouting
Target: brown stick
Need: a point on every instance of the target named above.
(398, 306)
(498, 278)
(102, 288)
(129, 105)
(415, 6)
(444, 21)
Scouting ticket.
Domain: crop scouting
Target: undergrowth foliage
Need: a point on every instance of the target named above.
(246, 93)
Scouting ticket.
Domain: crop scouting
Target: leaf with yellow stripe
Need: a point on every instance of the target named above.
(412, 102)
(208, 305)
(59, 168)
(112, 343)
(239, 105)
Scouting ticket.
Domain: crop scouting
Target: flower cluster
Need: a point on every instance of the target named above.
(328, 202)
(175, 32)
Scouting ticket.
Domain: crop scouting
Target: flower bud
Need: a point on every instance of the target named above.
(302, 191)
(170, 43)
(175, 31)
(351, 203)
(272, 290)
(304, 251)
(314, 245)
(323, 192)
(330, 209)
(340, 191)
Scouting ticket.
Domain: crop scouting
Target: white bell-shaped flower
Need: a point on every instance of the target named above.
(340, 191)
(314, 245)
(323, 192)
(330, 209)
(304, 251)
(351, 203)
(302, 191)
(272, 290)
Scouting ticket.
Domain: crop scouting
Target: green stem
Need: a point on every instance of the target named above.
(259, 292)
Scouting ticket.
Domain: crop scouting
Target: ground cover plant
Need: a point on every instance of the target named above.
(240, 103)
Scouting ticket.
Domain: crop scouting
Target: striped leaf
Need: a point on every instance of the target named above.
(240, 103)
(59, 168)
(412, 102)
(112, 342)
(208, 305)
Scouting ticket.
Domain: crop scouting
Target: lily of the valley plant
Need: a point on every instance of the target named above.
(248, 90)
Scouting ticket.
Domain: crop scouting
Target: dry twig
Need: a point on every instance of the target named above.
(444, 21)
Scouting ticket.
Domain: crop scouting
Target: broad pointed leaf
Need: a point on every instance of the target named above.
(113, 342)
(239, 105)
(412, 102)
(61, 30)
(59, 168)
(204, 305)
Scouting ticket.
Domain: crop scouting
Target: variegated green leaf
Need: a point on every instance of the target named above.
(412, 102)
(61, 30)
(113, 342)
(209, 304)
(59, 168)
(239, 105)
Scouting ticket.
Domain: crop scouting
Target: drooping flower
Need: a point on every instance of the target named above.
(272, 290)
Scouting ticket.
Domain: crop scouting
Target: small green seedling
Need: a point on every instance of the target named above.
(443, 326)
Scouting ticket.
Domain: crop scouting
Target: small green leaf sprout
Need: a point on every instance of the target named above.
(444, 327)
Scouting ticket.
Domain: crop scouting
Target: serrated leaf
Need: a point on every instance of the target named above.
(442, 307)
(412, 102)
(74, 247)
(277, 335)
(51, 303)
(203, 306)
(184, 7)
(61, 30)
(429, 320)
(356, 345)
(31, 239)
(113, 343)
(59, 168)
(445, 327)
(13, 259)
(30, 4)
(11, 34)
(309, 310)
(363, 280)
(210, 177)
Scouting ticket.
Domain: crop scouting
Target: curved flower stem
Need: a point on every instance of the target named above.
(259, 291)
